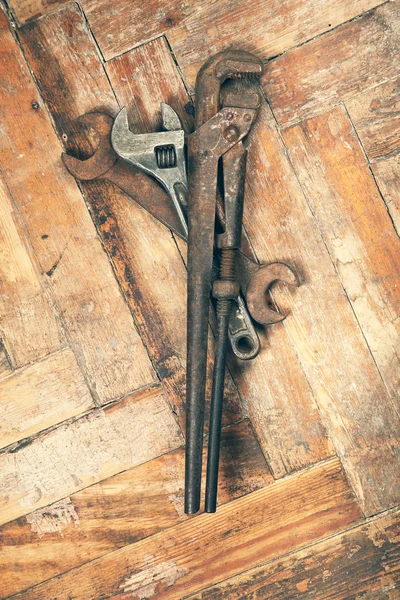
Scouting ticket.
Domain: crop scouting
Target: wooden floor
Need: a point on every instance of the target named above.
(92, 305)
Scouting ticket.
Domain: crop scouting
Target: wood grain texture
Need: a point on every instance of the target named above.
(356, 229)
(278, 519)
(119, 511)
(75, 455)
(376, 116)
(387, 174)
(41, 395)
(5, 367)
(196, 30)
(342, 375)
(97, 321)
(141, 249)
(361, 563)
(28, 323)
(25, 10)
(291, 436)
(332, 68)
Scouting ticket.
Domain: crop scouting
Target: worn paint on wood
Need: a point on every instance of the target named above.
(41, 395)
(357, 231)
(120, 510)
(321, 324)
(28, 324)
(196, 30)
(97, 321)
(387, 174)
(78, 454)
(376, 116)
(361, 563)
(270, 522)
(336, 66)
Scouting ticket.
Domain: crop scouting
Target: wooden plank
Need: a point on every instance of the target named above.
(376, 116)
(75, 455)
(28, 10)
(387, 173)
(246, 532)
(28, 324)
(198, 30)
(123, 509)
(356, 229)
(361, 563)
(147, 76)
(142, 250)
(357, 56)
(343, 377)
(97, 321)
(41, 395)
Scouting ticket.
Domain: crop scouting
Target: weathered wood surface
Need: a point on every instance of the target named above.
(41, 395)
(340, 370)
(332, 68)
(387, 173)
(196, 30)
(97, 321)
(119, 511)
(85, 451)
(25, 10)
(278, 519)
(128, 231)
(361, 563)
(28, 324)
(358, 233)
(376, 116)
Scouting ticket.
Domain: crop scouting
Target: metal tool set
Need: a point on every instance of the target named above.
(203, 175)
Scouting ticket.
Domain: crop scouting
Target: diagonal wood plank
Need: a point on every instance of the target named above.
(278, 519)
(335, 66)
(41, 395)
(352, 398)
(387, 173)
(28, 324)
(376, 116)
(142, 250)
(361, 563)
(119, 511)
(197, 30)
(93, 447)
(97, 321)
(356, 229)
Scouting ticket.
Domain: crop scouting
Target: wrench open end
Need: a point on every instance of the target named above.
(258, 286)
(104, 156)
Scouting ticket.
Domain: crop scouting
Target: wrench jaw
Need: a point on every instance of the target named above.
(228, 64)
(104, 156)
(258, 286)
(160, 155)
